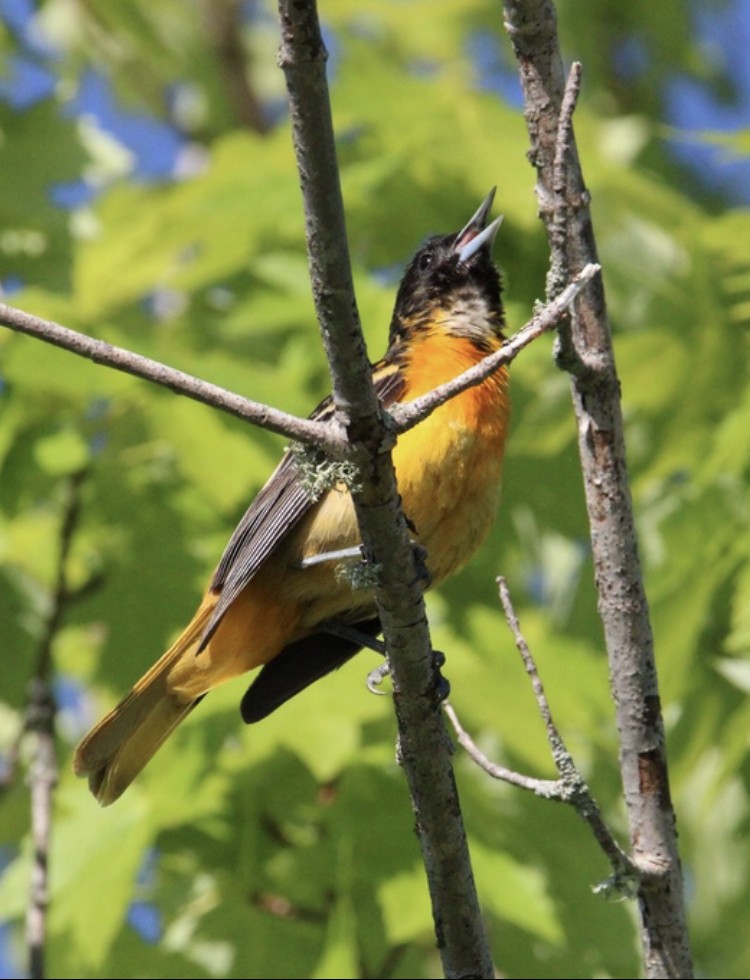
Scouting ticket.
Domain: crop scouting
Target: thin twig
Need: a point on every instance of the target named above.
(40, 720)
(576, 791)
(565, 353)
(571, 787)
(550, 789)
(304, 430)
(559, 751)
(561, 203)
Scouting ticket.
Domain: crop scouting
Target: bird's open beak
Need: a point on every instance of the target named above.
(474, 236)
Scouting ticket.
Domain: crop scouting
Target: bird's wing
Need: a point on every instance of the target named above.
(298, 665)
(278, 507)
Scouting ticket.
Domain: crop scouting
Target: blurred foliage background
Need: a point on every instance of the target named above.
(148, 196)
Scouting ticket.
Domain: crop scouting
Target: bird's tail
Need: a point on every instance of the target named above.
(120, 745)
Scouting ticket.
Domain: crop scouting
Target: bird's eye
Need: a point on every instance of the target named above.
(425, 261)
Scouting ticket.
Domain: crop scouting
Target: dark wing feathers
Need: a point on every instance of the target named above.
(278, 507)
(297, 666)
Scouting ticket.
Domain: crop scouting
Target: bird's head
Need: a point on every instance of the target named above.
(453, 284)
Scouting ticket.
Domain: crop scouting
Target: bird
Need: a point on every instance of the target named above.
(277, 600)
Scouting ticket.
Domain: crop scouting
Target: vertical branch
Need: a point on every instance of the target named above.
(224, 23)
(589, 357)
(40, 719)
(424, 747)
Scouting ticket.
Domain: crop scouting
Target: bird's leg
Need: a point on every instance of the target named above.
(336, 628)
(378, 674)
(348, 632)
(339, 555)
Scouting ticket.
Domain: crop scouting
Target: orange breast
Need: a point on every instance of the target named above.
(449, 466)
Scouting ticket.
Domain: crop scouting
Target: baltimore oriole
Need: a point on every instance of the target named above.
(275, 600)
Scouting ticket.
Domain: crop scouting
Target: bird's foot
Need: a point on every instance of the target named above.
(442, 685)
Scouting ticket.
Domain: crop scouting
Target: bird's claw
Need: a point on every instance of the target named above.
(423, 572)
(376, 677)
(442, 685)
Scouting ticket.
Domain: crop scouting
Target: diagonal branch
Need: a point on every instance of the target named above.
(99, 351)
(576, 791)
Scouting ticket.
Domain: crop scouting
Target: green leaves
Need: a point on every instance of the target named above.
(287, 849)
(39, 149)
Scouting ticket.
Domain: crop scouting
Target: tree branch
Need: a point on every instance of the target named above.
(40, 719)
(424, 747)
(224, 24)
(576, 791)
(304, 430)
(571, 787)
(423, 743)
(320, 434)
(563, 200)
